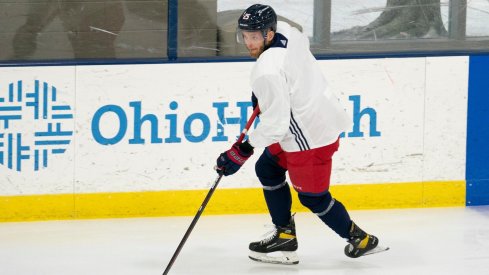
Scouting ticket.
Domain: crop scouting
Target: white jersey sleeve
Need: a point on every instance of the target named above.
(274, 105)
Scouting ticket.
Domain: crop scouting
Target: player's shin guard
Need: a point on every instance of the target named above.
(282, 240)
(329, 210)
(359, 242)
(275, 189)
(279, 202)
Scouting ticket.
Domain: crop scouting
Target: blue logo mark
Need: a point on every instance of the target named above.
(33, 125)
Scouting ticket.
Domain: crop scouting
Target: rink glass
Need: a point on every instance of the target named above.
(117, 30)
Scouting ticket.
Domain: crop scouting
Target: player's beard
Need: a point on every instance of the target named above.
(255, 53)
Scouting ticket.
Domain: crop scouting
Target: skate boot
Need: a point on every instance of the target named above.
(360, 242)
(282, 240)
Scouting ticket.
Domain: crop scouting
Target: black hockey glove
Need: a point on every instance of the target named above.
(230, 161)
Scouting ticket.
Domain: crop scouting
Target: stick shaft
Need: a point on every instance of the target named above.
(248, 124)
(192, 225)
(207, 198)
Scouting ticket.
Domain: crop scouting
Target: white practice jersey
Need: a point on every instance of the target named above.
(297, 108)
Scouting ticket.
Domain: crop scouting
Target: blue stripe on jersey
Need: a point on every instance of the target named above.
(279, 41)
(297, 132)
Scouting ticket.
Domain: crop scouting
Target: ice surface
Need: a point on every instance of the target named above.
(422, 241)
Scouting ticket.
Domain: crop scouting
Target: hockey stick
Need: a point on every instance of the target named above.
(208, 197)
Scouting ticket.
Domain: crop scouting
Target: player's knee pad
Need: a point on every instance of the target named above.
(269, 172)
(320, 205)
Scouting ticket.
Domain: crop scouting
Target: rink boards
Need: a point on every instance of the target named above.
(141, 140)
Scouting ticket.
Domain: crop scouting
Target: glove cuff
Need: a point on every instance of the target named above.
(246, 148)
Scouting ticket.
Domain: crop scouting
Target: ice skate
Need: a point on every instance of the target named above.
(360, 243)
(278, 248)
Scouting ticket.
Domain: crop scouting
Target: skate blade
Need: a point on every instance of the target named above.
(376, 250)
(287, 258)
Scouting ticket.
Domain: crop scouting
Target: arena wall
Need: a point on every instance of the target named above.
(141, 140)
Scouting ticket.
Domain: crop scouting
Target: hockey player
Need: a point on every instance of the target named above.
(300, 124)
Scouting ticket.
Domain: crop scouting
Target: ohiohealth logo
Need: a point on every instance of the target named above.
(33, 125)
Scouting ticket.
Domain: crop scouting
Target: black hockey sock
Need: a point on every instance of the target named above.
(279, 202)
(275, 188)
(330, 211)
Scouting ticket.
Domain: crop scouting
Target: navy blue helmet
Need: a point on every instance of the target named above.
(258, 18)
